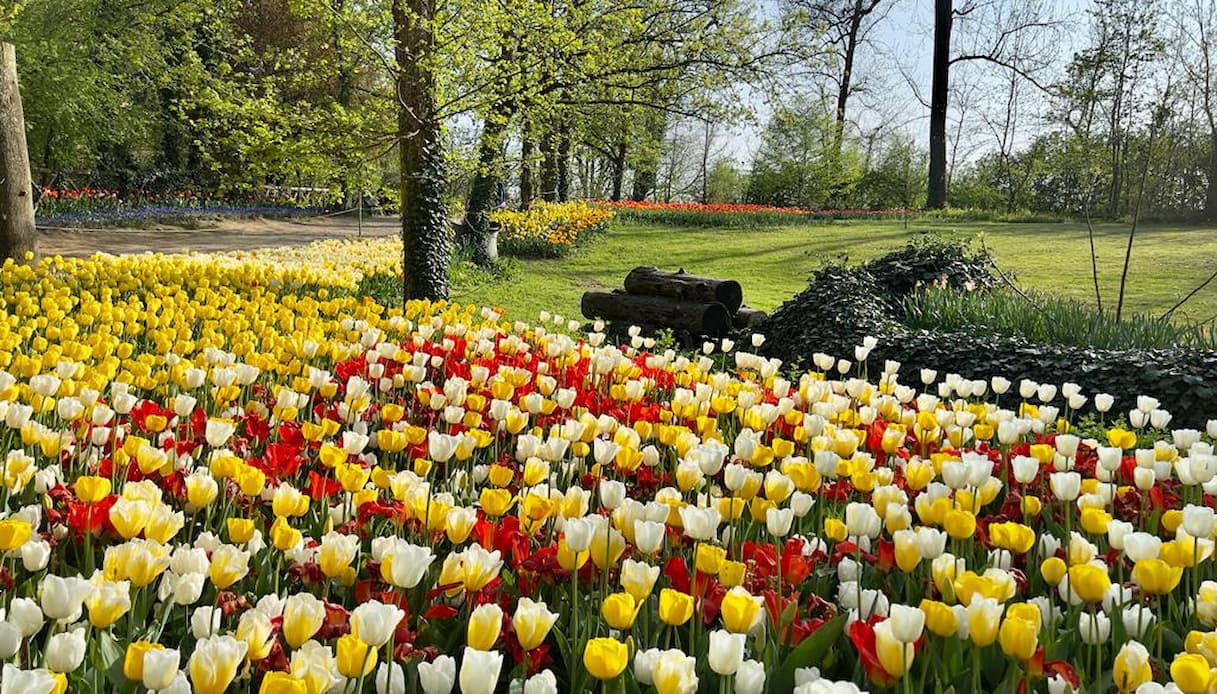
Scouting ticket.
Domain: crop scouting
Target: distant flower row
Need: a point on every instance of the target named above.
(99, 205)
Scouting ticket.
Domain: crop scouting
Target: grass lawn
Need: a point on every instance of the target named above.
(774, 264)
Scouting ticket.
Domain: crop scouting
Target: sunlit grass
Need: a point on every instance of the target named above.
(774, 264)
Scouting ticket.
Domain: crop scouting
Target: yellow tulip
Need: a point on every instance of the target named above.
(709, 558)
(894, 656)
(284, 536)
(940, 619)
(354, 657)
(835, 530)
(605, 658)
(1191, 673)
(532, 621)
(959, 524)
(133, 660)
(1088, 582)
(1019, 633)
(569, 559)
(228, 565)
(485, 622)
(240, 530)
(740, 610)
(731, 573)
(619, 610)
(1131, 668)
(283, 683)
(1095, 520)
(14, 533)
(675, 607)
(1015, 537)
(496, 502)
(1053, 570)
(1156, 577)
(90, 489)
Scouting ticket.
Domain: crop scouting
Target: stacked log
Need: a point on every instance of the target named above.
(697, 306)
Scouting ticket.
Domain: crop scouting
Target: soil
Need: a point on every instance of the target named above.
(220, 235)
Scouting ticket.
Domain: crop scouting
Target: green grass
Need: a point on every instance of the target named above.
(774, 264)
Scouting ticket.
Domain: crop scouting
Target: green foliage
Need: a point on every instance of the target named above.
(226, 95)
(727, 183)
(797, 164)
(1050, 320)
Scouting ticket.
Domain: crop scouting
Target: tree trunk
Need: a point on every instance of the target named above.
(424, 224)
(525, 168)
(644, 183)
(936, 197)
(549, 166)
(564, 165)
(843, 90)
(477, 236)
(618, 171)
(16, 188)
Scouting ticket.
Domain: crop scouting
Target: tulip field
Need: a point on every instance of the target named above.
(232, 473)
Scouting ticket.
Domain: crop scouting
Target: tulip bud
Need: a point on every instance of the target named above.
(726, 652)
(436, 677)
(66, 651)
(750, 678)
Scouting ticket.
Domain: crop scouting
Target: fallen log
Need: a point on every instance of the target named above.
(747, 318)
(678, 285)
(700, 318)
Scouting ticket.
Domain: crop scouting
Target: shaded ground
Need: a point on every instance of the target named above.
(220, 235)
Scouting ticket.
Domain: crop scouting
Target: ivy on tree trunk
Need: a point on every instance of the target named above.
(424, 223)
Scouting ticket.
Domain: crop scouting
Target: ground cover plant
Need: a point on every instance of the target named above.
(233, 473)
(939, 306)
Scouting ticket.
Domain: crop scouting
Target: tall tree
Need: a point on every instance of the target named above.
(424, 223)
(16, 188)
(992, 39)
(944, 19)
(845, 24)
(1197, 49)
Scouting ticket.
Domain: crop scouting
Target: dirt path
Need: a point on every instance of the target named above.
(219, 236)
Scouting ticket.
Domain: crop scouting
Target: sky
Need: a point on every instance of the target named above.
(899, 57)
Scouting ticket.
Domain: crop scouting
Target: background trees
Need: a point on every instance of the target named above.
(458, 106)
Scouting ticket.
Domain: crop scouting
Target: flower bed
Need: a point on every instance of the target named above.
(230, 473)
(548, 229)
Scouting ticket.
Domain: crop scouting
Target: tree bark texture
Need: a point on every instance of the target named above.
(16, 188)
(937, 181)
(424, 223)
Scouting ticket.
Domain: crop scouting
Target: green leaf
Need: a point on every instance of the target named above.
(112, 656)
(810, 653)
